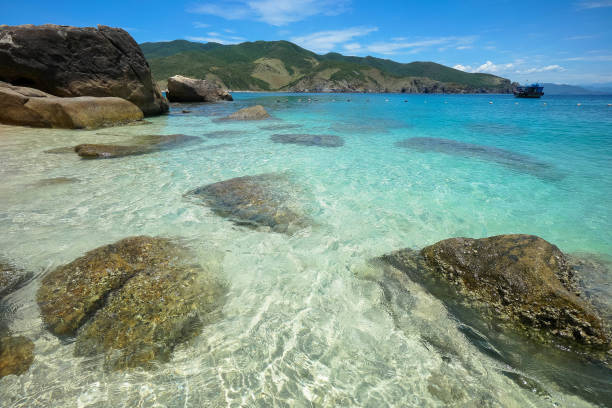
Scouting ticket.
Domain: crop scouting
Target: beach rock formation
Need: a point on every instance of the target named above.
(16, 355)
(523, 278)
(256, 112)
(140, 145)
(184, 89)
(72, 61)
(309, 140)
(30, 107)
(133, 300)
(254, 201)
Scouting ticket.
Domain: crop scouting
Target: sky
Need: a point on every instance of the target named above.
(548, 41)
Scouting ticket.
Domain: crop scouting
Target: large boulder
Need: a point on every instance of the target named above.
(264, 200)
(184, 89)
(133, 301)
(256, 112)
(72, 61)
(30, 107)
(523, 278)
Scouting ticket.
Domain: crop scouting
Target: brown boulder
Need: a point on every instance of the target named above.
(16, 355)
(72, 61)
(140, 145)
(184, 89)
(31, 107)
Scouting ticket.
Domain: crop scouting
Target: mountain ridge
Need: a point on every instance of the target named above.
(284, 66)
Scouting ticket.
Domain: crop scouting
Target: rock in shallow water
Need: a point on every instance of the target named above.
(133, 300)
(11, 278)
(256, 112)
(525, 279)
(16, 355)
(141, 145)
(261, 200)
(309, 140)
(184, 89)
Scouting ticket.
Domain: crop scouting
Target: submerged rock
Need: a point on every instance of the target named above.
(507, 158)
(309, 140)
(224, 134)
(11, 278)
(55, 181)
(142, 145)
(256, 112)
(184, 89)
(281, 126)
(152, 313)
(30, 107)
(524, 279)
(16, 355)
(72, 61)
(261, 200)
(133, 300)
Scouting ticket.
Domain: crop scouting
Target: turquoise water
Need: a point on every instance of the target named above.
(305, 323)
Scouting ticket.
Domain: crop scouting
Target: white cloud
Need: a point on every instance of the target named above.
(402, 45)
(591, 58)
(273, 12)
(352, 47)
(218, 38)
(548, 68)
(585, 5)
(325, 41)
(198, 24)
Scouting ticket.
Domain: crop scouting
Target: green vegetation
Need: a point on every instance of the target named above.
(281, 65)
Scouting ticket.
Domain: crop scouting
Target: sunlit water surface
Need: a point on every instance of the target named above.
(305, 323)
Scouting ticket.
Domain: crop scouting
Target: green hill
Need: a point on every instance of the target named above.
(281, 65)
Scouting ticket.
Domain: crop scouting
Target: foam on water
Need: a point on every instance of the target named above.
(306, 322)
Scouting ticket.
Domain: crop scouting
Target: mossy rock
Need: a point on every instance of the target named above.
(152, 313)
(140, 145)
(522, 279)
(71, 293)
(256, 112)
(254, 201)
(16, 355)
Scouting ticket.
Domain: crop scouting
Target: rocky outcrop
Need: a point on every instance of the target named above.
(30, 107)
(133, 300)
(184, 89)
(256, 112)
(16, 355)
(72, 61)
(524, 279)
(309, 140)
(140, 145)
(11, 278)
(263, 200)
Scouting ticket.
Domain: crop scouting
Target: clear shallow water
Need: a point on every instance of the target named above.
(304, 323)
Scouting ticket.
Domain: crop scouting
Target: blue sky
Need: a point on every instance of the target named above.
(549, 41)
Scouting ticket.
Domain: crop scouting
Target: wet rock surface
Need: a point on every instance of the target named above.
(224, 134)
(526, 281)
(507, 158)
(16, 355)
(133, 301)
(281, 126)
(11, 278)
(254, 201)
(309, 140)
(72, 61)
(140, 145)
(256, 112)
(30, 107)
(184, 89)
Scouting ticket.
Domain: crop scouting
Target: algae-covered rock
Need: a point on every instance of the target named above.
(256, 112)
(71, 293)
(525, 279)
(16, 355)
(149, 316)
(140, 145)
(11, 278)
(309, 140)
(261, 200)
(133, 300)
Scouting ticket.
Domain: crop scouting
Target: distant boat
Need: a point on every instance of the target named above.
(529, 91)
